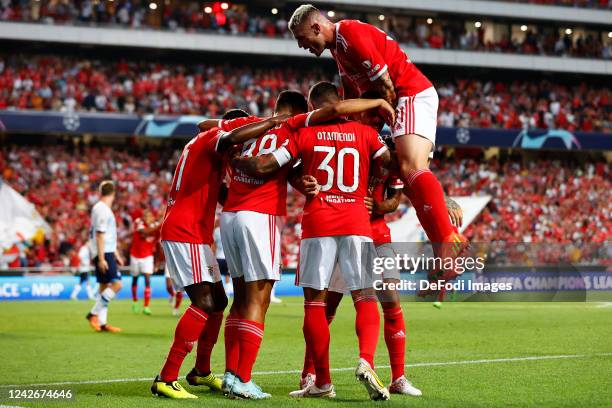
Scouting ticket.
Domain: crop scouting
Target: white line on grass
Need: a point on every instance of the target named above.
(432, 364)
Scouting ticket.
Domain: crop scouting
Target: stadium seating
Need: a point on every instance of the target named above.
(61, 182)
(70, 83)
(243, 19)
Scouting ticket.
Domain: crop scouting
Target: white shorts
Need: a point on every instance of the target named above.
(353, 254)
(338, 285)
(251, 242)
(141, 265)
(188, 264)
(417, 115)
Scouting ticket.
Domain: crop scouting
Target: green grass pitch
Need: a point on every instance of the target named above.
(451, 355)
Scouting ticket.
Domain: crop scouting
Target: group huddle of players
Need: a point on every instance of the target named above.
(332, 153)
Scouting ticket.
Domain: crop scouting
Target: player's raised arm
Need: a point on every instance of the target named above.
(208, 124)
(350, 107)
(250, 131)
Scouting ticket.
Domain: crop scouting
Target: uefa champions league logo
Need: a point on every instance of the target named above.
(71, 121)
(552, 138)
(463, 135)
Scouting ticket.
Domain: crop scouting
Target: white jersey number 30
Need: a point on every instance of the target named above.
(330, 151)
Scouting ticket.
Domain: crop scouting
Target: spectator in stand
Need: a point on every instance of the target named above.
(244, 19)
(69, 83)
(540, 201)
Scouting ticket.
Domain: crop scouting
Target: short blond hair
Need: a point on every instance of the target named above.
(301, 14)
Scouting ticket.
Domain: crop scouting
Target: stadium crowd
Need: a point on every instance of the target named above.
(240, 19)
(540, 201)
(69, 83)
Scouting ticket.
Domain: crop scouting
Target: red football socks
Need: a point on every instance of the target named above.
(187, 332)
(232, 348)
(250, 335)
(395, 338)
(367, 326)
(309, 367)
(207, 340)
(316, 334)
(426, 195)
(147, 296)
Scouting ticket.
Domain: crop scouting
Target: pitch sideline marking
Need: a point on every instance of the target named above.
(432, 364)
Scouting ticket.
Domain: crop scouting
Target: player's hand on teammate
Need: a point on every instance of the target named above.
(280, 119)
(454, 212)
(369, 203)
(309, 186)
(387, 112)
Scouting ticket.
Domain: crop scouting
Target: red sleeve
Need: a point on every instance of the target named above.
(376, 145)
(299, 121)
(361, 49)
(291, 144)
(231, 124)
(208, 140)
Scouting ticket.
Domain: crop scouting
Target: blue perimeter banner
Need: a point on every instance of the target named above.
(185, 126)
(60, 287)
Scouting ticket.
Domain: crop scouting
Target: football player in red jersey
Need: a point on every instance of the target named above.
(251, 237)
(144, 242)
(368, 59)
(335, 230)
(385, 195)
(186, 235)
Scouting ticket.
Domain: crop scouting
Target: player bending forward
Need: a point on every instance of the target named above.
(368, 59)
(187, 234)
(336, 230)
(144, 242)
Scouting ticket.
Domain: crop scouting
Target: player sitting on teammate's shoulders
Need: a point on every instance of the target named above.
(369, 59)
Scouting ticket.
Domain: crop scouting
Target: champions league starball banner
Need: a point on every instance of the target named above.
(185, 126)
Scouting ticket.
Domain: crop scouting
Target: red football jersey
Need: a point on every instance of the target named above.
(363, 53)
(230, 124)
(267, 195)
(142, 246)
(190, 215)
(381, 234)
(264, 195)
(338, 155)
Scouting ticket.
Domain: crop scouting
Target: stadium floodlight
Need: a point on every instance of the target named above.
(430, 21)
(153, 6)
(274, 11)
(523, 27)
